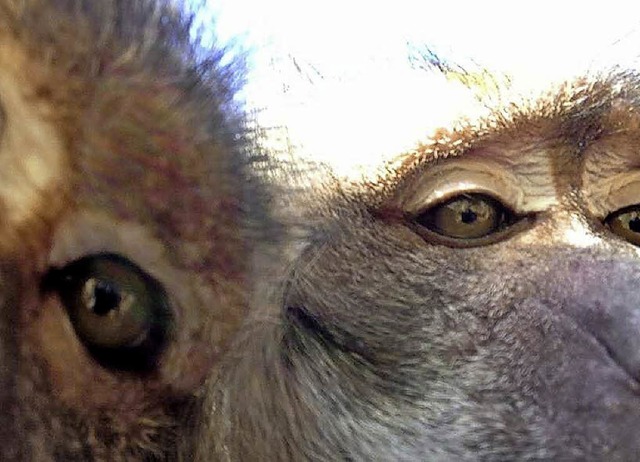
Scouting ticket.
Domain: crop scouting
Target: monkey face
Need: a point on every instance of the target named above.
(124, 235)
(480, 304)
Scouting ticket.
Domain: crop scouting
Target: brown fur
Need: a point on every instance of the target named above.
(119, 135)
(381, 342)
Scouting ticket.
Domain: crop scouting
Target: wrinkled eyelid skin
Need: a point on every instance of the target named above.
(448, 180)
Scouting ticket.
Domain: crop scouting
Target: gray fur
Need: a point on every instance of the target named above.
(372, 343)
(385, 346)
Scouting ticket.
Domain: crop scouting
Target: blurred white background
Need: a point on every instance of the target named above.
(337, 73)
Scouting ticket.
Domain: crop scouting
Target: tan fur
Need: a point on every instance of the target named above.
(118, 135)
(369, 335)
(35, 166)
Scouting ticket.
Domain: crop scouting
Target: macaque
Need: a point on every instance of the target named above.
(478, 301)
(130, 222)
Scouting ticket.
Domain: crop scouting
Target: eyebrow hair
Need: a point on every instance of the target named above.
(573, 114)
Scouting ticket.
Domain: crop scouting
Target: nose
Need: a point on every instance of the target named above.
(603, 297)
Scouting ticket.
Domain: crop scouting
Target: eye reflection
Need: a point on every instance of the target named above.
(118, 311)
(469, 216)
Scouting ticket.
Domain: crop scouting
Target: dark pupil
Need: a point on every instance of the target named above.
(469, 216)
(107, 298)
(634, 224)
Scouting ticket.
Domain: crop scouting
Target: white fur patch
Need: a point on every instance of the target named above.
(577, 234)
(31, 150)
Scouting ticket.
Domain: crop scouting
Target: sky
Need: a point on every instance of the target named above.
(337, 74)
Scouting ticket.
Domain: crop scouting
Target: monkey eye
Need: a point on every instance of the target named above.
(465, 220)
(119, 312)
(626, 223)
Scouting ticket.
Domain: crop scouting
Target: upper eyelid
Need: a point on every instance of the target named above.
(90, 232)
(613, 194)
(526, 187)
(455, 195)
(456, 178)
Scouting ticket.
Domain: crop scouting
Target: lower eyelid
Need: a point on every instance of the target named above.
(515, 225)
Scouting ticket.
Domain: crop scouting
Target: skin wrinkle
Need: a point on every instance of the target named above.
(396, 347)
(567, 161)
(480, 172)
(374, 343)
(610, 165)
(568, 127)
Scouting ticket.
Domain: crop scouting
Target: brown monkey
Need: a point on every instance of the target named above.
(127, 227)
(481, 302)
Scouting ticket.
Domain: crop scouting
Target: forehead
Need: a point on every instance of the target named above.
(32, 154)
(533, 156)
(571, 137)
(105, 125)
